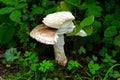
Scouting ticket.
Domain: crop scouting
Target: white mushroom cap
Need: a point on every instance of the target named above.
(55, 20)
(44, 34)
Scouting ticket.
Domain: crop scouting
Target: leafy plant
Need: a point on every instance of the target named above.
(108, 59)
(6, 34)
(82, 50)
(46, 66)
(93, 67)
(109, 70)
(72, 65)
(9, 54)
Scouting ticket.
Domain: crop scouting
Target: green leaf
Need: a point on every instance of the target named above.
(110, 31)
(63, 7)
(97, 67)
(95, 58)
(90, 1)
(87, 21)
(44, 78)
(117, 12)
(21, 5)
(93, 67)
(9, 54)
(37, 10)
(45, 66)
(44, 3)
(116, 74)
(94, 10)
(51, 10)
(117, 40)
(73, 64)
(6, 33)
(116, 23)
(6, 10)
(88, 29)
(74, 2)
(87, 4)
(27, 53)
(91, 63)
(9, 2)
(82, 50)
(4, 18)
(96, 24)
(17, 56)
(33, 67)
(108, 59)
(25, 63)
(56, 78)
(109, 17)
(15, 16)
(23, 0)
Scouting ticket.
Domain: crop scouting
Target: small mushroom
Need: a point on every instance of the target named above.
(81, 33)
(52, 32)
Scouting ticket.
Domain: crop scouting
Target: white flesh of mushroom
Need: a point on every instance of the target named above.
(59, 51)
(81, 33)
(66, 27)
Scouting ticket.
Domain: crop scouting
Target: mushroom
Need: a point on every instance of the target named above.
(52, 32)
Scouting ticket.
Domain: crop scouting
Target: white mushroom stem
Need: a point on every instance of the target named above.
(59, 50)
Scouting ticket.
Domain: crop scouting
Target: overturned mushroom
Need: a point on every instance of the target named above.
(52, 32)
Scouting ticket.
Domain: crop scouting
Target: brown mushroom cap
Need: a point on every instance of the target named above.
(44, 34)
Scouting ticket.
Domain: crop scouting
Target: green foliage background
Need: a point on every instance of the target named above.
(99, 18)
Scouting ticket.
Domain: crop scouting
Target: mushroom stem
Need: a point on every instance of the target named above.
(59, 50)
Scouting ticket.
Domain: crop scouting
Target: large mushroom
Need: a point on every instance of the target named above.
(52, 32)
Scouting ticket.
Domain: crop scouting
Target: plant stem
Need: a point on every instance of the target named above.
(109, 70)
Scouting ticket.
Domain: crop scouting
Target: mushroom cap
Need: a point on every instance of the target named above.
(44, 34)
(55, 20)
